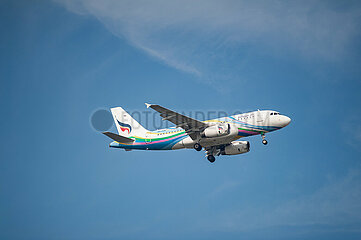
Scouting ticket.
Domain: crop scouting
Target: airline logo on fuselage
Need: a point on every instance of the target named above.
(124, 127)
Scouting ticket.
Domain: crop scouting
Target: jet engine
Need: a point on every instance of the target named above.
(236, 147)
(220, 130)
(216, 130)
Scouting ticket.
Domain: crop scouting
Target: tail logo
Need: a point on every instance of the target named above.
(124, 127)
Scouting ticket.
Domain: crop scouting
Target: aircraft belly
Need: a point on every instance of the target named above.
(187, 142)
(178, 145)
(207, 142)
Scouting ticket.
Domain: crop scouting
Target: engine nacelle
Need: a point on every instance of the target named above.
(216, 130)
(236, 147)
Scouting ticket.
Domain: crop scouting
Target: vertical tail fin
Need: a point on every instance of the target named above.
(126, 124)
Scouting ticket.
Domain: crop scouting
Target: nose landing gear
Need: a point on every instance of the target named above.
(264, 141)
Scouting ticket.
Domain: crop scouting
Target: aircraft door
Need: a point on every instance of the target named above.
(259, 118)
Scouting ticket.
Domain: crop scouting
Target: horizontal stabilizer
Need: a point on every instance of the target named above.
(118, 138)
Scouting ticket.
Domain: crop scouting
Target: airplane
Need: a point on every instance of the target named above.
(216, 136)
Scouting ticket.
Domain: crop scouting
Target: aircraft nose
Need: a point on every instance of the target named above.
(285, 121)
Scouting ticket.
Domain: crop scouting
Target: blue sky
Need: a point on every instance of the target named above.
(62, 60)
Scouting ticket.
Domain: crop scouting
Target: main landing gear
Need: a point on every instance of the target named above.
(209, 152)
(264, 141)
(211, 158)
(197, 147)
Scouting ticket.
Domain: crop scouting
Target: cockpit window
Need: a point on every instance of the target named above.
(272, 113)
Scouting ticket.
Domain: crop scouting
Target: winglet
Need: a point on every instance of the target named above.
(148, 105)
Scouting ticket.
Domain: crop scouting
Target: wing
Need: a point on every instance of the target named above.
(192, 126)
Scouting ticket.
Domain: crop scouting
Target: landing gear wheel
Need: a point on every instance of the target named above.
(197, 147)
(211, 158)
(264, 141)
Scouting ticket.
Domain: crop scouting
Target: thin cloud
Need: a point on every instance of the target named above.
(336, 204)
(201, 37)
(352, 129)
(222, 188)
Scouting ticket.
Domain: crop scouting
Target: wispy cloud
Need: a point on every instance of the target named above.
(351, 126)
(336, 204)
(204, 37)
(222, 188)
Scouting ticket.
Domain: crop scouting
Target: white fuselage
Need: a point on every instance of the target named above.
(240, 125)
